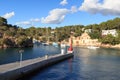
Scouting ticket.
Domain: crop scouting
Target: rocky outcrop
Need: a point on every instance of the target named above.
(12, 42)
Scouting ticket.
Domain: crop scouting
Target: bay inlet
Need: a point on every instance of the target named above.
(87, 64)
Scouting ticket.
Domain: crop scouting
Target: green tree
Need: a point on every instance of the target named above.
(95, 34)
(3, 21)
(1, 41)
(24, 41)
(109, 39)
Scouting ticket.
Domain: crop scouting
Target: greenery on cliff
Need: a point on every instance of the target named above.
(108, 25)
(13, 36)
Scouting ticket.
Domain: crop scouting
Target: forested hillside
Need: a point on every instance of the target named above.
(108, 25)
(15, 36)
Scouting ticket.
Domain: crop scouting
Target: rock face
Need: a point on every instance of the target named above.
(13, 42)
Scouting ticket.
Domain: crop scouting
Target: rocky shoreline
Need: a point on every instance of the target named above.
(110, 46)
(5, 46)
(102, 45)
(16, 43)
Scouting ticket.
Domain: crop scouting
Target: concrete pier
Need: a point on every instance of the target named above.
(16, 70)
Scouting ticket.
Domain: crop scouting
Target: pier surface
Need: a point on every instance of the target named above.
(12, 71)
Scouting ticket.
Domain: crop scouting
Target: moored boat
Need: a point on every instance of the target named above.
(92, 47)
(55, 44)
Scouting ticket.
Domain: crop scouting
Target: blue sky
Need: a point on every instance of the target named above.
(57, 13)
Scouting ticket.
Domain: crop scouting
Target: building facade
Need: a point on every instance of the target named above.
(84, 40)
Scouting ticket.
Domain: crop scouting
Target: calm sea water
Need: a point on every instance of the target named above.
(87, 64)
(12, 54)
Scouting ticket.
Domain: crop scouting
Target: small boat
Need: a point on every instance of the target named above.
(45, 44)
(55, 44)
(92, 47)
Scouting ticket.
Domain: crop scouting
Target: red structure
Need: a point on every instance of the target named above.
(70, 49)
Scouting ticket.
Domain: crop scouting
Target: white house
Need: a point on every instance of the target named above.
(112, 32)
(88, 30)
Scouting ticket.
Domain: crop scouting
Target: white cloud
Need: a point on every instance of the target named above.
(107, 7)
(64, 2)
(8, 15)
(23, 23)
(35, 20)
(29, 22)
(74, 9)
(55, 16)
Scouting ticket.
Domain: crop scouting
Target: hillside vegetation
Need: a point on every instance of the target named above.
(15, 36)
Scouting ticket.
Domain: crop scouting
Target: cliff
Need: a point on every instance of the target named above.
(16, 42)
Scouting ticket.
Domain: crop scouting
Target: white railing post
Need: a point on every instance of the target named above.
(46, 56)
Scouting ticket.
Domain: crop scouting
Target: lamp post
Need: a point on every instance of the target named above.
(21, 51)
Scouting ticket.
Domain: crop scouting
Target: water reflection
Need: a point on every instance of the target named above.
(70, 64)
(87, 64)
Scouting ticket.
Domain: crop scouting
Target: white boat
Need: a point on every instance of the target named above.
(55, 44)
(45, 44)
(92, 47)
